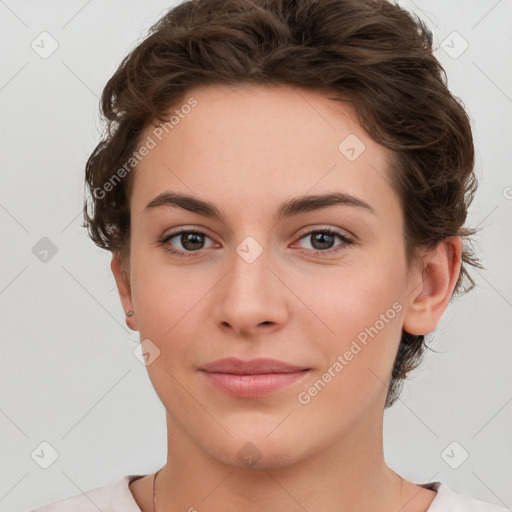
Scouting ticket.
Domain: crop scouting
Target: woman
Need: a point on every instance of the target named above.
(284, 187)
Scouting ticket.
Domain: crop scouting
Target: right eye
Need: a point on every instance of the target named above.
(191, 242)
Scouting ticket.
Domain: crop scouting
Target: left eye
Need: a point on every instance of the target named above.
(323, 239)
(193, 241)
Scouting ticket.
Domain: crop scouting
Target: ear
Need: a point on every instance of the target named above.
(431, 288)
(122, 278)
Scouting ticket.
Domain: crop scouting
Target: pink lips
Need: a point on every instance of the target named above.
(254, 378)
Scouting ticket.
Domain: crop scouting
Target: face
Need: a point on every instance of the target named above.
(323, 286)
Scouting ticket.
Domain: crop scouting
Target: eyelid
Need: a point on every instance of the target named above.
(187, 228)
(318, 227)
(305, 231)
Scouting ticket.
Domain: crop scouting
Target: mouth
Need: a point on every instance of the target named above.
(254, 378)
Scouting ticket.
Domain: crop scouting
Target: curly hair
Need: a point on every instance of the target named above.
(370, 53)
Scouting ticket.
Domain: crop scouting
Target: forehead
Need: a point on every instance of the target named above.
(257, 145)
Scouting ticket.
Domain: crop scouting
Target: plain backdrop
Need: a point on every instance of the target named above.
(71, 387)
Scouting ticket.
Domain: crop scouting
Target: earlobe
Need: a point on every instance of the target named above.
(428, 300)
(124, 288)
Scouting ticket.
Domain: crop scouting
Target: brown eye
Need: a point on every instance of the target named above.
(324, 241)
(184, 243)
(191, 241)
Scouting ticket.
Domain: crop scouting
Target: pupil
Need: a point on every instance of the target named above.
(188, 240)
(325, 240)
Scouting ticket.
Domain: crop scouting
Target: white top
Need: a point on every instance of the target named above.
(118, 498)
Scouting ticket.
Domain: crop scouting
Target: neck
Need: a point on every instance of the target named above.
(335, 478)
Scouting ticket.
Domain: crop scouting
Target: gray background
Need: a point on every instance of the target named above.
(68, 373)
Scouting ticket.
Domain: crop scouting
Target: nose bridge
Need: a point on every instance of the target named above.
(249, 275)
(251, 294)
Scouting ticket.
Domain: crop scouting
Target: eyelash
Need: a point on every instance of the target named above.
(191, 254)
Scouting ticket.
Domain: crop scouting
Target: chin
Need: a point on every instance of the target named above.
(257, 451)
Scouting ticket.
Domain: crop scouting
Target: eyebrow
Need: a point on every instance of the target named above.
(289, 208)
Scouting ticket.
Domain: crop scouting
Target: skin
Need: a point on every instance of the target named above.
(247, 150)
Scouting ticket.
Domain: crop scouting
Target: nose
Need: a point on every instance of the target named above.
(252, 298)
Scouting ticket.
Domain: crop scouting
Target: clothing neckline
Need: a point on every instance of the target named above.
(440, 488)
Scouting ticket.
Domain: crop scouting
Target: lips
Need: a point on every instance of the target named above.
(252, 379)
(253, 367)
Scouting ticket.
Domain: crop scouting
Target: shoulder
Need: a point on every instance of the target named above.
(447, 500)
(112, 498)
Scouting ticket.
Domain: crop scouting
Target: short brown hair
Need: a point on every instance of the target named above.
(371, 53)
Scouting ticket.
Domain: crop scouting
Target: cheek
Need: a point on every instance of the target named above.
(165, 296)
(169, 302)
(351, 298)
(361, 308)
